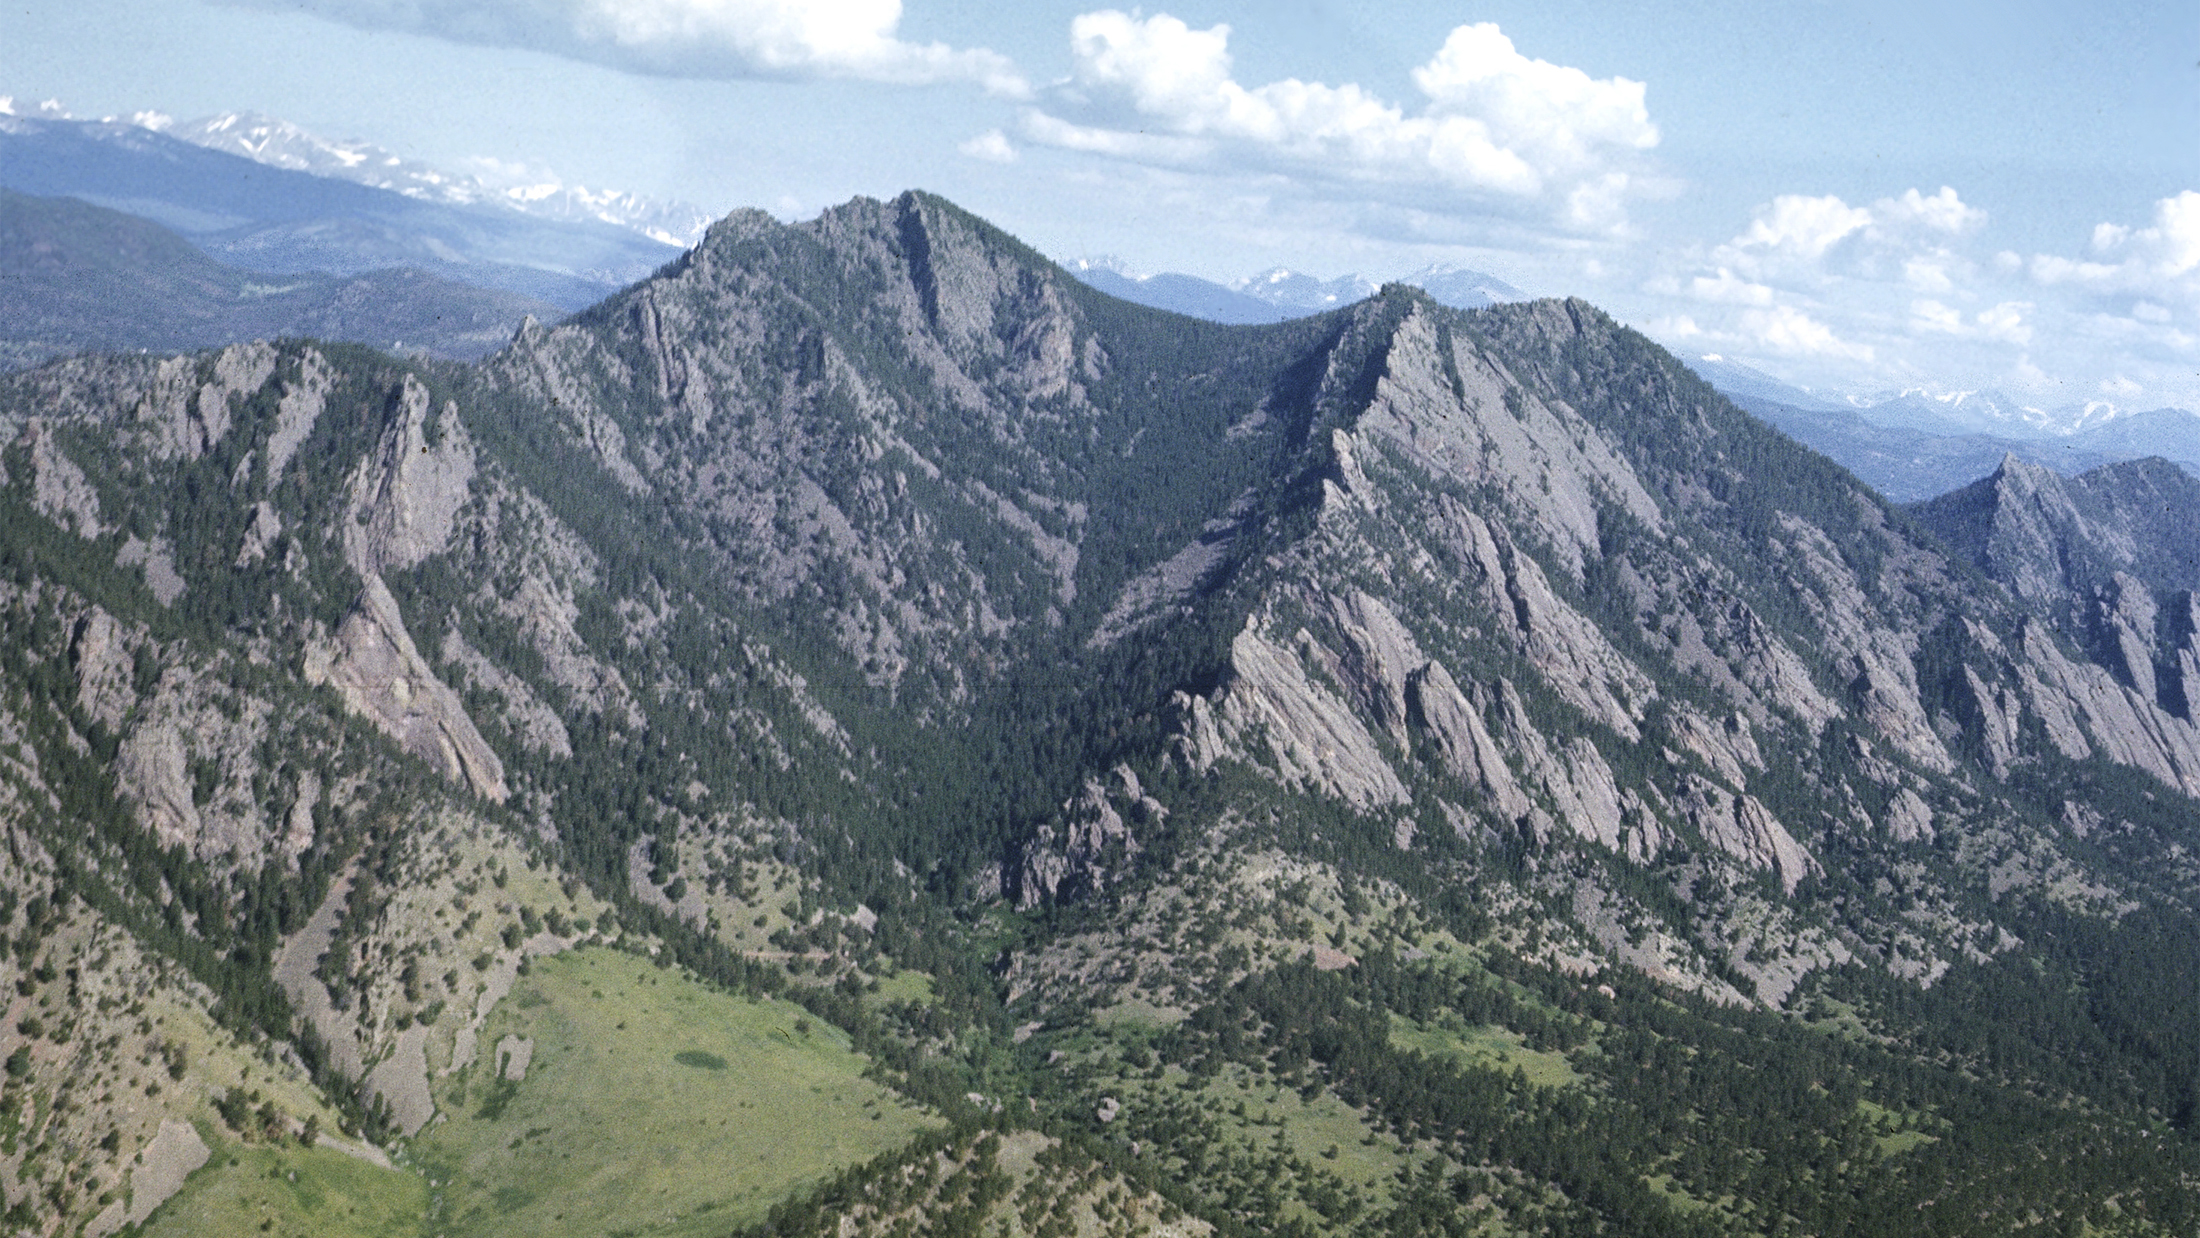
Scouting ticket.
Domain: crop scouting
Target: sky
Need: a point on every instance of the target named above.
(1855, 197)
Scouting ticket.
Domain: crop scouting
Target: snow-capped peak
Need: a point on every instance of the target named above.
(516, 187)
(50, 109)
(1296, 290)
(1106, 262)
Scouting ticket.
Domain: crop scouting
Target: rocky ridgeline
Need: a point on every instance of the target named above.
(886, 542)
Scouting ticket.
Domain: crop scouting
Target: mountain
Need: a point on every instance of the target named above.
(1908, 464)
(1294, 290)
(1462, 288)
(2170, 432)
(1910, 448)
(1738, 382)
(2063, 541)
(863, 732)
(76, 277)
(279, 143)
(1280, 294)
(1958, 413)
(1181, 294)
(271, 219)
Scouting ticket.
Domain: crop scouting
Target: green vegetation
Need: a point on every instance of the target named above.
(281, 1190)
(664, 1106)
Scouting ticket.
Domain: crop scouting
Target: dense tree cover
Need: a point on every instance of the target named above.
(1761, 1123)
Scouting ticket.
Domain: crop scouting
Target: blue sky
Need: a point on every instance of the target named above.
(1853, 196)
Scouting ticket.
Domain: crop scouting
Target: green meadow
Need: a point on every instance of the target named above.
(653, 1105)
(286, 1191)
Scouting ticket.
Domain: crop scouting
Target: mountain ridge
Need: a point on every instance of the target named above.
(1270, 775)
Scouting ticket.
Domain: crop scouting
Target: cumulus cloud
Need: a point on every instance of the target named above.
(1798, 232)
(1927, 273)
(690, 38)
(1943, 212)
(2003, 322)
(1496, 126)
(992, 146)
(1790, 332)
(1795, 226)
(2160, 259)
(1726, 288)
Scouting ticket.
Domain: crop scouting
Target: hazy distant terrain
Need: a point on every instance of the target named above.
(76, 277)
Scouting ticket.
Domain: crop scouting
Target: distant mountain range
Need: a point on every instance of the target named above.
(76, 277)
(268, 218)
(281, 144)
(1913, 445)
(1280, 294)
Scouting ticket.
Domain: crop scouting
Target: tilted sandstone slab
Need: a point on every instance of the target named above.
(373, 663)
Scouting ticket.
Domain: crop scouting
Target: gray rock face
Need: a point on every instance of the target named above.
(1090, 845)
(405, 496)
(105, 669)
(60, 491)
(2053, 541)
(185, 410)
(1743, 828)
(1307, 735)
(297, 412)
(1463, 742)
(373, 663)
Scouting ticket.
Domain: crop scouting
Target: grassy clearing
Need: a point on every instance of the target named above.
(286, 1191)
(903, 986)
(653, 1105)
(1484, 1046)
(1899, 1131)
(1324, 1132)
(1138, 1012)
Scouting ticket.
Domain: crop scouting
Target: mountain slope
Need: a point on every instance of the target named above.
(75, 276)
(1279, 776)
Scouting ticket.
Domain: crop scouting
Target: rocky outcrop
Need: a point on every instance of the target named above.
(1740, 826)
(106, 670)
(297, 412)
(2053, 541)
(59, 490)
(1583, 797)
(533, 723)
(405, 496)
(1462, 742)
(157, 561)
(1273, 711)
(1576, 658)
(373, 663)
(1454, 410)
(1728, 748)
(260, 535)
(152, 768)
(1090, 844)
(184, 410)
(2127, 727)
